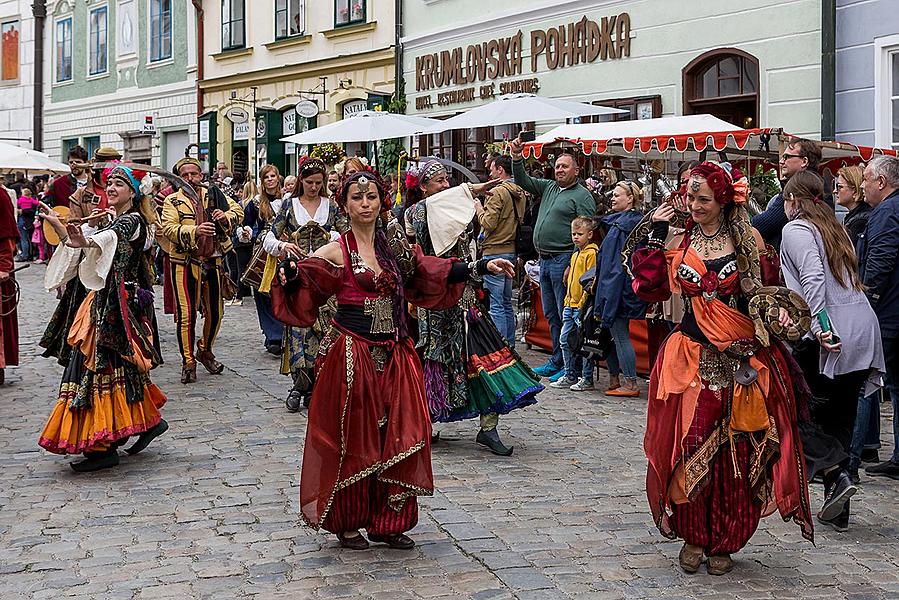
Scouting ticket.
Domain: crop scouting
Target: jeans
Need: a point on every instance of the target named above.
(552, 292)
(622, 359)
(575, 364)
(25, 231)
(866, 434)
(891, 354)
(501, 310)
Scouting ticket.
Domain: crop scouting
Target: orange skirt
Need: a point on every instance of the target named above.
(108, 419)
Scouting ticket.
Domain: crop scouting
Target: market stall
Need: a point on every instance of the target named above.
(654, 147)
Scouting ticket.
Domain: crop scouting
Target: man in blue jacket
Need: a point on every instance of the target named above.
(878, 250)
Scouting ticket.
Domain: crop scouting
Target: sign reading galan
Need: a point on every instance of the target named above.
(580, 42)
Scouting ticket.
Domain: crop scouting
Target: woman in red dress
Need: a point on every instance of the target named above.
(368, 442)
(9, 324)
(721, 433)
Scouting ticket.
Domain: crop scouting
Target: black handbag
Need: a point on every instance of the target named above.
(524, 236)
(593, 339)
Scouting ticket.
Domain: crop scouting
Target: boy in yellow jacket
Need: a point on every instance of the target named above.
(582, 261)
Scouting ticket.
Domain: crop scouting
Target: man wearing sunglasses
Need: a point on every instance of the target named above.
(799, 155)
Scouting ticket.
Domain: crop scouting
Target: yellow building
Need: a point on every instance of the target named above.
(287, 66)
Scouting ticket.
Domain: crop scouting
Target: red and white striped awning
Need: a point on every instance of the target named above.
(685, 138)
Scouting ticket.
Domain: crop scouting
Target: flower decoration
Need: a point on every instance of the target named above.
(328, 153)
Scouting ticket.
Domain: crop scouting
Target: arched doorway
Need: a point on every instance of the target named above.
(723, 83)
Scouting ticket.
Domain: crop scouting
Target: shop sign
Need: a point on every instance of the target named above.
(289, 122)
(307, 109)
(241, 131)
(354, 106)
(581, 42)
(204, 132)
(236, 114)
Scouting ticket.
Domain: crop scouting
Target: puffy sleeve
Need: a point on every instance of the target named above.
(649, 265)
(429, 284)
(297, 305)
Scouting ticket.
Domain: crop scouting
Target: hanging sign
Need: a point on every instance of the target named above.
(241, 131)
(307, 108)
(236, 114)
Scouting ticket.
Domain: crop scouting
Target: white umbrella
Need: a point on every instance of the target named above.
(522, 108)
(15, 158)
(364, 126)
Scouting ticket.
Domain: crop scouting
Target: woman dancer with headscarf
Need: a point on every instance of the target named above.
(470, 370)
(106, 394)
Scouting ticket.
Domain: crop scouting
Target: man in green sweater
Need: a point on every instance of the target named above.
(561, 201)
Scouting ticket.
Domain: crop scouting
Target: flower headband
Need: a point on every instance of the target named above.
(727, 183)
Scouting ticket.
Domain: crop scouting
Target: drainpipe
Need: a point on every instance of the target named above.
(39, 10)
(198, 6)
(828, 69)
(398, 49)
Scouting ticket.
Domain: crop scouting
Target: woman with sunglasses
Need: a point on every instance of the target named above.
(848, 193)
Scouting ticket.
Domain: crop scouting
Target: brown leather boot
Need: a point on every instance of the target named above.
(690, 558)
(189, 373)
(207, 359)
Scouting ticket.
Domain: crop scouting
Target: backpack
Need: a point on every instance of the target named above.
(524, 234)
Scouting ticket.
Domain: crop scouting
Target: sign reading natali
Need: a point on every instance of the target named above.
(580, 42)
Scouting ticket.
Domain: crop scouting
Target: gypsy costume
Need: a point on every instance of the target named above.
(9, 322)
(721, 434)
(106, 394)
(469, 368)
(300, 345)
(368, 442)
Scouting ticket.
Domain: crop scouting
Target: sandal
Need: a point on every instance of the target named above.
(398, 541)
(690, 558)
(356, 542)
(719, 565)
(623, 392)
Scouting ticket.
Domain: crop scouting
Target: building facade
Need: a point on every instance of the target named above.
(286, 66)
(755, 64)
(121, 73)
(867, 72)
(16, 72)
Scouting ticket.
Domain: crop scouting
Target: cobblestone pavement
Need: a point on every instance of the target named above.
(210, 509)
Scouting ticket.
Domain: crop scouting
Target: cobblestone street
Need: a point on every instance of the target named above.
(210, 510)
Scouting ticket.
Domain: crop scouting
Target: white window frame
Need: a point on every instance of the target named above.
(56, 42)
(90, 41)
(302, 30)
(884, 49)
(171, 56)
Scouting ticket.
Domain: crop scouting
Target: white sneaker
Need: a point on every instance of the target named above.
(582, 385)
(563, 383)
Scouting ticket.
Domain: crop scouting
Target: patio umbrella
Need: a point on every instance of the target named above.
(364, 126)
(16, 158)
(522, 108)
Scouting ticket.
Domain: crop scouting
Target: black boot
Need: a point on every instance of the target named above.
(148, 436)
(294, 400)
(491, 440)
(95, 461)
(839, 523)
(838, 488)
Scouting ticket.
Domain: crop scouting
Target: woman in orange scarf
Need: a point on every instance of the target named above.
(721, 435)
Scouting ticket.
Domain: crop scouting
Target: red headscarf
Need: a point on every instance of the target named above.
(8, 228)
